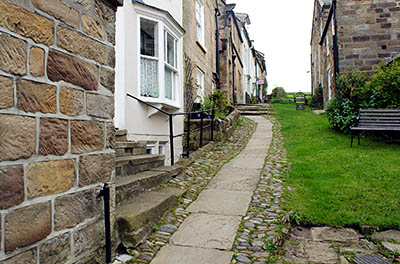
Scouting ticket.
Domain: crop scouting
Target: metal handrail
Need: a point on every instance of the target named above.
(187, 131)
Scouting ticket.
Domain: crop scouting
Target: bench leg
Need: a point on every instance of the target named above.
(351, 142)
(359, 137)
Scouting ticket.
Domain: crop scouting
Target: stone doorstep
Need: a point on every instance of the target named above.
(128, 148)
(255, 113)
(254, 109)
(133, 219)
(133, 164)
(172, 170)
(130, 186)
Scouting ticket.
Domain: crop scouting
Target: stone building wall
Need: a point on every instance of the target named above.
(368, 34)
(230, 36)
(56, 127)
(203, 57)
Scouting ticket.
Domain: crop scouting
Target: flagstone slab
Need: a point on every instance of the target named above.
(207, 231)
(189, 255)
(235, 179)
(246, 162)
(221, 202)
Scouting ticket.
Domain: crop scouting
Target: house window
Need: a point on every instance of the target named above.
(200, 21)
(329, 85)
(327, 45)
(148, 58)
(170, 65)
(200, 84)
(161, 149)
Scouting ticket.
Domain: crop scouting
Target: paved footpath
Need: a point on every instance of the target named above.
(208, 234)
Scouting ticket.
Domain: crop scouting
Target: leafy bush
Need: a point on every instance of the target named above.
(278, 92)
(350, 96)
(317, 100)
(384, 87)
(281, 100)
(216, 100)
(341, 114)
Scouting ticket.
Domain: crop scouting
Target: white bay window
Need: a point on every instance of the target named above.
(159, 64)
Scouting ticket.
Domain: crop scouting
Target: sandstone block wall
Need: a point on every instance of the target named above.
(56, 128)
(203, 57)
(368, 33)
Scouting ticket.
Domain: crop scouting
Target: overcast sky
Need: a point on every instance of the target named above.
(281, 30)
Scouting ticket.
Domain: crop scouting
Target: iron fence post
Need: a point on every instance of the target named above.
(212, 124)
(188, 136)
(105, 193)
(171, 138)
(201, 129)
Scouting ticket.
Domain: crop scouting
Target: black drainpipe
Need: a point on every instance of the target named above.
(335, 43)
(217, 13)
(233, 78)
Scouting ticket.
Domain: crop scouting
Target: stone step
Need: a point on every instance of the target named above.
(254, 109)
(129, 187)
(129, 165)
(127, 148)
(255, 113)
(133, 219)
(121, 135)
(171, 170)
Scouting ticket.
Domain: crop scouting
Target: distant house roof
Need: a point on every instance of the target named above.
(243, 18)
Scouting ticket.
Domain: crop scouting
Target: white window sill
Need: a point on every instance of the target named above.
(165, 104)
(201, 46)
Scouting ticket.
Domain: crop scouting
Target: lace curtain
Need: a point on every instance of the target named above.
(169, 78)
(149, 77)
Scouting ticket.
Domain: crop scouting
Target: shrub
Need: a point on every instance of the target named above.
(341, 114)
(278, 92)
(350, 96)
(281, 100)
(384, 87)
(317, 100)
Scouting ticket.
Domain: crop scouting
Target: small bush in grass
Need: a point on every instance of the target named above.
(281, 100)
(350, 96)
(278, 92)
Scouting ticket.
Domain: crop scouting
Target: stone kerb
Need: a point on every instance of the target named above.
(56, 128)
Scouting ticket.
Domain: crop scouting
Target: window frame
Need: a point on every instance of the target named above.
(200, 5)
(164, 26)
(200, 97)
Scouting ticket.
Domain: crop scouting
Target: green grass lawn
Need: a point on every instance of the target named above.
(333, 183)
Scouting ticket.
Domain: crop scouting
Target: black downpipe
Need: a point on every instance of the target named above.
(105, 193)
(217, 13)
(335, 43)
(171, 138)
(233, 79)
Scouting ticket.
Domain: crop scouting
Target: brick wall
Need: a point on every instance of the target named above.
(56, 128)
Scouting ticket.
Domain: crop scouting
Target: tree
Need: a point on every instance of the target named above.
(278, 92)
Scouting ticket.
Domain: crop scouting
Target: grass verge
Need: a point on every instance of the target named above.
(334, 184)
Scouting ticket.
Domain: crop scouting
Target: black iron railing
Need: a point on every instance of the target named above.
(203, 114)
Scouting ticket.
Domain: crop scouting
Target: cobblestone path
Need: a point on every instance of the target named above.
(194, 179)
(208, 233)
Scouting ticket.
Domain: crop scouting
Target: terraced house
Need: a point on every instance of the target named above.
(349, 34)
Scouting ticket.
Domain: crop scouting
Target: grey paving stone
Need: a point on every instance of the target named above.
(190, 255)
(221, 202)
(207, 231)
(235, 179)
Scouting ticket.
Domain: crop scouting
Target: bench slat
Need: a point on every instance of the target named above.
(381, 114)
(377, 128)
(380, 121)
(379, 110)
(379, 118)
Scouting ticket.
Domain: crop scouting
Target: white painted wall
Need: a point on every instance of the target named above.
(142, 123)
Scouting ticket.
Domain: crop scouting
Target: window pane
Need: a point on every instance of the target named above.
(170, 50)
(148, 37)
(148, 77)
(169, 83)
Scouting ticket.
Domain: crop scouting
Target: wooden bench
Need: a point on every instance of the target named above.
(375, 120)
